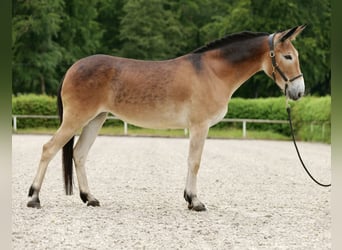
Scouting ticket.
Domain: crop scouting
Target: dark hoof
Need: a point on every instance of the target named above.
(34, 204)
(93, 203)
(192, 199)
(199, 208)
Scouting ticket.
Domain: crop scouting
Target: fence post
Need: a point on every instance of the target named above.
(244, 129)
(15, 123)
(125, 128)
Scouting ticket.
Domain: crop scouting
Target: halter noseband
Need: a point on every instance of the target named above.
(275, 67)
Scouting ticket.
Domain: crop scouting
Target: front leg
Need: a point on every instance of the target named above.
(198, 134)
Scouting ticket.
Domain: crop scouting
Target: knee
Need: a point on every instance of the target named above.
(78, 162)
(78, 158)
(46, 151)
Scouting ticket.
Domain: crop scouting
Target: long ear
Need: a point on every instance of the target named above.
(291, 33)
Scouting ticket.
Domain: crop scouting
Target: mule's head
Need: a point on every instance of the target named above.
(283, 63)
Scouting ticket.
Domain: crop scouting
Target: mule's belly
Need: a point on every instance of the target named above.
(167, 118)
(155, 118)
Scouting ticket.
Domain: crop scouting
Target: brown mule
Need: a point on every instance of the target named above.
(191, 91)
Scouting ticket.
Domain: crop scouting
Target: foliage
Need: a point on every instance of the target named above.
(155, 32)
(311, 118)
(308, 114)
(109, 17)
(48, 36)
(35, 53)
(32, 104)
(80, 33)
(261, 108)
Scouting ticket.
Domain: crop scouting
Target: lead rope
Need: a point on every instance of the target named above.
(288, 109)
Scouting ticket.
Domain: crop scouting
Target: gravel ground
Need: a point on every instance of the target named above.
(257, 195)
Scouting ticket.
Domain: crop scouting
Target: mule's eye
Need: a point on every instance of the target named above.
(288, 57)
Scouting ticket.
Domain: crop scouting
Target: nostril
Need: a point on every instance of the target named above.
(300, 95)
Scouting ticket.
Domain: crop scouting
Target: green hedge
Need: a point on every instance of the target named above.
(32, 104)
(311, 118)
(309, 114)
(262, 108)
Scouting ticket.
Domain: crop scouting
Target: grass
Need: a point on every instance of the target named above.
(231, 133)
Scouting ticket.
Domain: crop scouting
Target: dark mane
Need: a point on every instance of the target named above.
(236, 37)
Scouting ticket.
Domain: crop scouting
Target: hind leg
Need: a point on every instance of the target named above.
(60, 138)
(198, 135)
(81, 150)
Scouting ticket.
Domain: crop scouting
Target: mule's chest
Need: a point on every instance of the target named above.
(218, 116)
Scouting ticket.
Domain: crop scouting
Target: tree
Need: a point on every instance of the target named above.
(109, 18)
(35, 53)
(80, 34)
(149, 30)
(194, 15)
(48, 36)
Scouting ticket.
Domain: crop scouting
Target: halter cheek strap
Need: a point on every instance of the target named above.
(275, 66)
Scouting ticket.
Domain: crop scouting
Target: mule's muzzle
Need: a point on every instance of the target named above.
(294, 96)
(295, 90)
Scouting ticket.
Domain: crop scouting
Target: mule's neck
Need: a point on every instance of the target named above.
(235, 63)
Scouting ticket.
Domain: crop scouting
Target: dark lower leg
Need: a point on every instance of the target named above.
(89, 199)
(193, 202)
(34, 202)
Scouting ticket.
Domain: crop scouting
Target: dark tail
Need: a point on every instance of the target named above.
(67, 153)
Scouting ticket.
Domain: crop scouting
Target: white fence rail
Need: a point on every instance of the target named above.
(244, 122)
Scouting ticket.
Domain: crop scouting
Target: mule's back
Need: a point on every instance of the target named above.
(145, 93)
